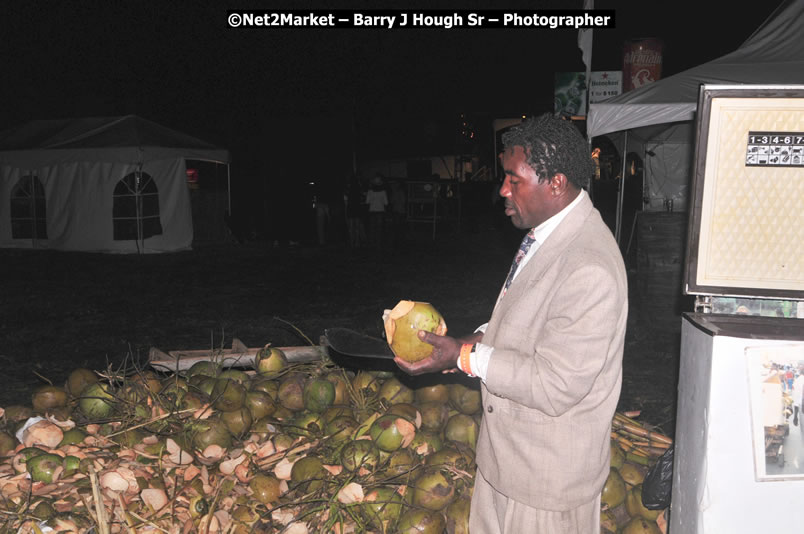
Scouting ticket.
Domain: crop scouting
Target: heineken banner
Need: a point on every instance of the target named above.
(571, 88)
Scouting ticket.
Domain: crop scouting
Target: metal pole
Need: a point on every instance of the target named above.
(621, 192)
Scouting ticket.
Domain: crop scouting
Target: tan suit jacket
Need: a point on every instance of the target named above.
(554, 377)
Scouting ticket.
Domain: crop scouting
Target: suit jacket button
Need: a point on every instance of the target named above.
(490, 409)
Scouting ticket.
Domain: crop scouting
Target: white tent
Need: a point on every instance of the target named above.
(114, 184)
(773, 55)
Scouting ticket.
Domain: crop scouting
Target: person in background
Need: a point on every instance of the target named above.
(550, 358)
(798, 393)
(377, 200)
(355, 199)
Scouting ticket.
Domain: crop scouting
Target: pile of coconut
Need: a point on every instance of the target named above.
(291, 448)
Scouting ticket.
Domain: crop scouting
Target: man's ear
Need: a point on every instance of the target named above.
(558, 184)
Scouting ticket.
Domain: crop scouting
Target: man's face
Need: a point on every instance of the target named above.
(527, 201)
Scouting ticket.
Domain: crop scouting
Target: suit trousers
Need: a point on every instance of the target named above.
(494, 513)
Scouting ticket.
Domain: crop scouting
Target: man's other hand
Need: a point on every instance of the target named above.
(444, 355)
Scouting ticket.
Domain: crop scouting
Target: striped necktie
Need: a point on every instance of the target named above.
(523, 250)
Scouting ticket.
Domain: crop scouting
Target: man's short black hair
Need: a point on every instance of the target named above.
(553, 145)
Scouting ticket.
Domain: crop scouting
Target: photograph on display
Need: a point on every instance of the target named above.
(776, 389)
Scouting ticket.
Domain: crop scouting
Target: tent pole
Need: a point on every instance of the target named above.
(591, 179)
(621, 192)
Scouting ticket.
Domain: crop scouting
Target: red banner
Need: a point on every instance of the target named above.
(642, 62)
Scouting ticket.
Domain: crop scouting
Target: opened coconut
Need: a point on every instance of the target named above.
(403, 323)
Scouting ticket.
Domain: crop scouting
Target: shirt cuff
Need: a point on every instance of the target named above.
(479, 360)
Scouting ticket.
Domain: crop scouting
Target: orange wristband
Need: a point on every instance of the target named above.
(464, 362)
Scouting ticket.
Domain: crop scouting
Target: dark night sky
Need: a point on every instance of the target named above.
(282, 99)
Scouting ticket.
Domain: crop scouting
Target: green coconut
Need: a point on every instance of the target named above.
(341, 383)
(341, 428)
(45, 467)
(203, 384)
(270, 362)
(71, 465)
(400, 462)
(634, 506)
(78, 379)
(268, 385)
(450, 456)
(260, 404)
(465, 399)
(390, 432)
(406, 410)
(318, 394)
(402, 325)
(308, 473)
(426, 443)
(632, 474)
(307, 424)
(367, 384)
(457, 514)
(148, 380)
(395, 392)
(228, 395)
(434, 416)
(360, 453)
(415, 521)
(614, 490)
(235, 374)
(96, 401)
(382, 507)
(211, 431)
(238, 422)
(291, 392)
(432, 393)
(203, 367)
(463, 429)
(434, 489)
(265, 488)
(72, 436)
(337, 410)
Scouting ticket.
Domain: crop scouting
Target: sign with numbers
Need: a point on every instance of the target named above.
(775, 149)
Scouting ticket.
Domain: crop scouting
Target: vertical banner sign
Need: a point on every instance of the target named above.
(642, 62)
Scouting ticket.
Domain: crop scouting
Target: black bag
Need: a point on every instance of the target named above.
(657, 488)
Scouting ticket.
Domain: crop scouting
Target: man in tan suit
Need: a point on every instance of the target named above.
(550, 357)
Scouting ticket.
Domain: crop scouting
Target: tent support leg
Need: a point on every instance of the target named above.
(621, 191)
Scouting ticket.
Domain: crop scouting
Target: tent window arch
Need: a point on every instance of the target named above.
(28, 215)
(135, 211)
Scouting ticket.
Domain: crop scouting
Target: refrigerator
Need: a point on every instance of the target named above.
(739, 448)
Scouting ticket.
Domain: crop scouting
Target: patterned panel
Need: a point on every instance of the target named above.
(752, 220)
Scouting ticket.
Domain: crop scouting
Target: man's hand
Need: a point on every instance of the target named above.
(444, 356)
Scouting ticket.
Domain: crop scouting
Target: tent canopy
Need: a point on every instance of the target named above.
(112, 139)
(114, 184)
(774, 54)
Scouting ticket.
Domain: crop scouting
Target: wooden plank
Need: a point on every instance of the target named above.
(238, 356)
